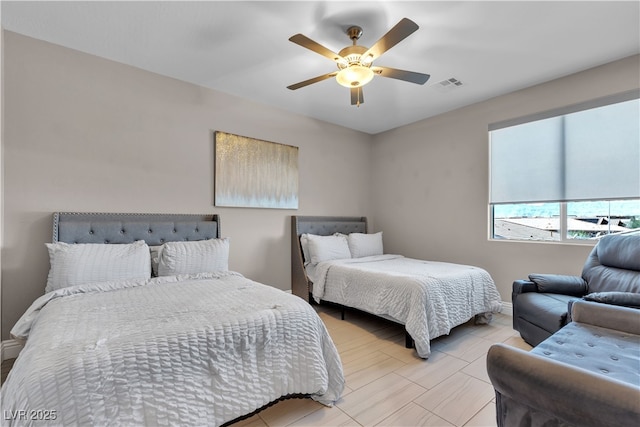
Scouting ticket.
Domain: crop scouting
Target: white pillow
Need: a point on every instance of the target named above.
(304, 243)
(202, 256)
(362, 245)
(75, 264)
(326, 248)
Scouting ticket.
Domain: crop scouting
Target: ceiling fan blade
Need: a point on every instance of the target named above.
(408, 76)
(312, 81)
(305, 41)
(402, 30)
(357, 96)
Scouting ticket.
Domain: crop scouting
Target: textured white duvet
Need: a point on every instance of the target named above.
(182, 350)
(429, 298)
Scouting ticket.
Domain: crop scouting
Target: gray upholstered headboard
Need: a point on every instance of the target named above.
(155, 229)
(321, 225)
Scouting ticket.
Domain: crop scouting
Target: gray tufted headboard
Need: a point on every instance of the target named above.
(321, 225)
(155, 229)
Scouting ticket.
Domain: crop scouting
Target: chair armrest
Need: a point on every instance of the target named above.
(623, 319)
(573, 395)
(625, 299)
(559, 284)
(522, 286)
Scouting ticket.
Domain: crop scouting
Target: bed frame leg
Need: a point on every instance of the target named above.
(408, 341)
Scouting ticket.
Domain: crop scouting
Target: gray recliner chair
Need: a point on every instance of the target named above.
(610, 275)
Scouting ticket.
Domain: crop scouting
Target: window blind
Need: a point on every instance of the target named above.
(590, 153)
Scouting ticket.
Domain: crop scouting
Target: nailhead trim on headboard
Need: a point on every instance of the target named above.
(155, 229)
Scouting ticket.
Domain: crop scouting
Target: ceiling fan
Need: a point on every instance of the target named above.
(355, 62)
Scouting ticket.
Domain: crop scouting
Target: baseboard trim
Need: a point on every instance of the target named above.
(10, 349)
(507, 308)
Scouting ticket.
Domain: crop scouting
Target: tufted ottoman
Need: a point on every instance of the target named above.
(586, 374)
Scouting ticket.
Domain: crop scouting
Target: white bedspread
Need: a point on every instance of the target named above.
(429, 298)
(185, 350)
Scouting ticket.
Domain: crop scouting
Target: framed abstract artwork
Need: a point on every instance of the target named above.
(254, 173)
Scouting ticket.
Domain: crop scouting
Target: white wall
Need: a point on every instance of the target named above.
(430, 187)
(88, 134)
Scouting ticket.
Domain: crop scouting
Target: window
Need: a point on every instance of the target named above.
(567, 175)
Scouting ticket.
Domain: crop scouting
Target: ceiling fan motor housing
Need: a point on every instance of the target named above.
(352, 54)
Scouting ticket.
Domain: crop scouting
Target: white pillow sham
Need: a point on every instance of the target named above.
(304, 243)
(75, 264)
(202, 256)
(361, 244)
(326, 248)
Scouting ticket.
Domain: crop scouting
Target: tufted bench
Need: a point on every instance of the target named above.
(585, 374)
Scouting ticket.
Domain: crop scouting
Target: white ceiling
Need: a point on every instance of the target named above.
(242, 47)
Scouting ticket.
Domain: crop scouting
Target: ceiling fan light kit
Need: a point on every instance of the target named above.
(354, 76)
(355, 62)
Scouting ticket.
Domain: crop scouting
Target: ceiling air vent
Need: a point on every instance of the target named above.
(448, 84)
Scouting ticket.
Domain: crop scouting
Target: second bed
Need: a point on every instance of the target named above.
(335, 260)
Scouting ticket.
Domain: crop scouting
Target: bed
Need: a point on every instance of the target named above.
(197, 345)
(336, 260)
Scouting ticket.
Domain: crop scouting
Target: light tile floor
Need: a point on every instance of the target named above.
(389, 385)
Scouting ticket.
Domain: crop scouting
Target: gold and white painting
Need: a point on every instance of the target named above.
(254, 173)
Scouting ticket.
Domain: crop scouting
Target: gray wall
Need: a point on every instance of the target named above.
(88, 134)
(431, 180)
